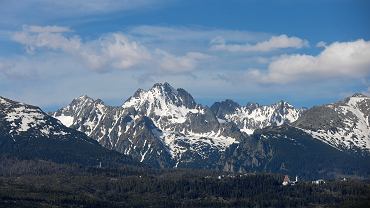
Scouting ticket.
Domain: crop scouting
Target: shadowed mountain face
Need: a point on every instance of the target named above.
(165, 127)
(27, 132)
(162, 127)
(330, 140)
(289, 150)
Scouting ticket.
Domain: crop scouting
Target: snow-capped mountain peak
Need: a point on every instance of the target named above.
(359, 95)
(164, 126)
(284, 104)
(82, 107)
(163, 100)
(178, 126)
(344, 125)
(20, 118)
(356, 99)
(165, 87)
(26, 132)
(161, 93)
(254, 116)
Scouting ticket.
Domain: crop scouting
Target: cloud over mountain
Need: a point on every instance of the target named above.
(110, 51)
(337, 60)
(212, 58)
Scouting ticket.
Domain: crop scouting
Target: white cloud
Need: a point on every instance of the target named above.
(111, 51)
(37, 67)
(46, 29)
(60, 59)
(178, 64)
(114, 51)
(337, 60)
(59, 54)
(168, 33)
(50, 37)
(274, 43)
(321, 44)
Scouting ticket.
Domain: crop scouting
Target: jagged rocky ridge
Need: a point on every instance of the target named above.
(327, 141)
(165, 127)
(254, 116)
(29, 133)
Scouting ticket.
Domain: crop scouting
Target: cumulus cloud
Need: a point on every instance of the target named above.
(110, 51)
(274, 43)
(59, 59)
(50, 37)
(176, 64)
(114, 51)
(337, 60)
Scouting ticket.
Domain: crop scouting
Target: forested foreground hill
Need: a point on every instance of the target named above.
(46, 184)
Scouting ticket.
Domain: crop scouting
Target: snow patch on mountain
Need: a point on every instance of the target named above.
(65, 120)
(21, 118)
(252, 117)
(167, 118)
(27, 118)
(165, 125)
(212, 138)
(352, 131)
(161, 102)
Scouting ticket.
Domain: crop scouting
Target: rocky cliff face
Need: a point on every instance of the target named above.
(329, 140)
(254, 116)
(343, 125)
(174, 131)
(289, 150)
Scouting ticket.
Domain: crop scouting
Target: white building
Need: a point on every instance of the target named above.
(318, 182)
(287, 181)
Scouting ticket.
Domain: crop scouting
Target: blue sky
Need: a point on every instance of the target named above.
(306, 52)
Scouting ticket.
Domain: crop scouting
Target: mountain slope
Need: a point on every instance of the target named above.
(344, 125)
(288, 150)
(325, 141)
(165, 127)
(27, 132)
(254, 116)
(181, 134)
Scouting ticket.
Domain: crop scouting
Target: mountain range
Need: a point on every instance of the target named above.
(164, 127)
(27, 132)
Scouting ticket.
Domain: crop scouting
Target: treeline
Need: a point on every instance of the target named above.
(46, 184)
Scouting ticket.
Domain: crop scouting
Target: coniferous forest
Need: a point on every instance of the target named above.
(37, 183)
